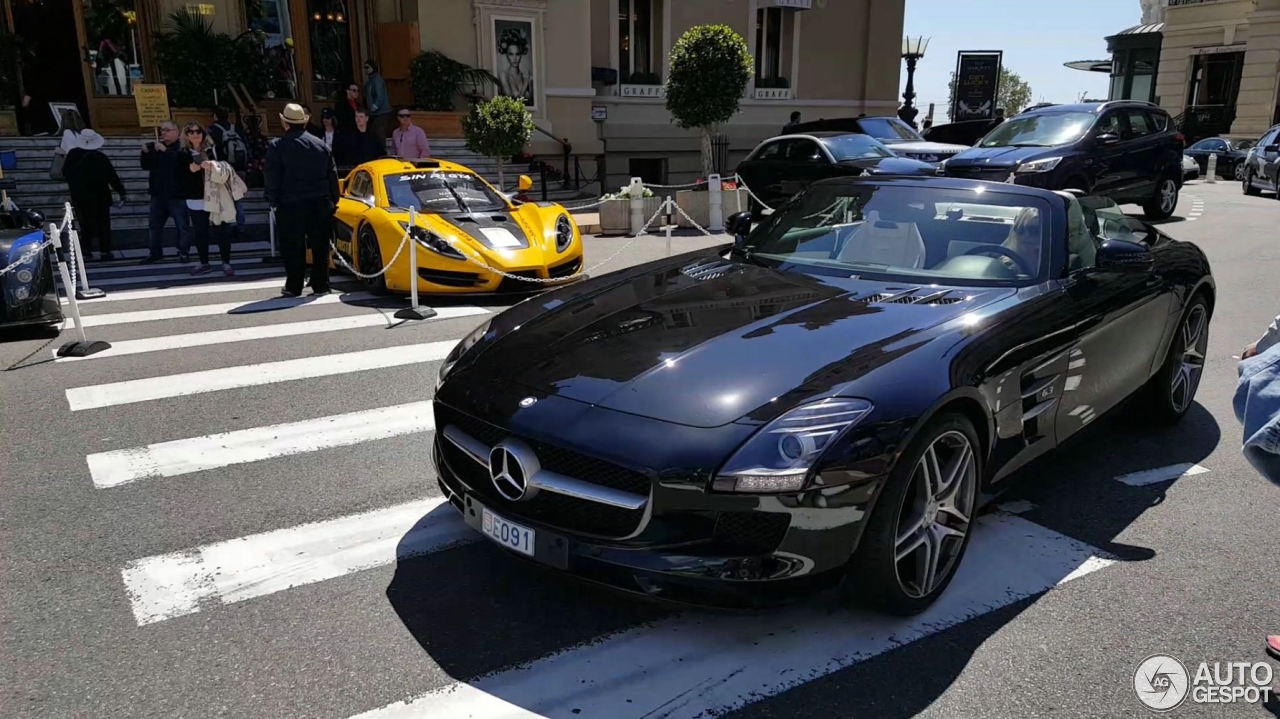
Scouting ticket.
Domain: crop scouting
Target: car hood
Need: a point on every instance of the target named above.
(891, 166)
(499, 230)
(706, 343)
(925, 148)
(997, 156)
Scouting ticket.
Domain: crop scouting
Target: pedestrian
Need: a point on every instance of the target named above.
(409, 140)
(162, 159)
(302, 188)
(344, 110)
(795, 120)
(233, 148)
(360, 144)
(377, 100)
(91, 178)
(312, 127)
(1257, 407)
(208, 187)
(329, 127)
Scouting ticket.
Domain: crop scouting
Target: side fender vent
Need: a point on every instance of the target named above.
(708, 269)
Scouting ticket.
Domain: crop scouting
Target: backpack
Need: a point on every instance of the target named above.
(234, 148)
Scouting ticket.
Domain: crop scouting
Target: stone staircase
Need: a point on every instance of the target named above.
(129, 223)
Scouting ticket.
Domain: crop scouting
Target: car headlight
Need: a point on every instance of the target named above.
(1044, 165)
(564, 233)
(782, 455)
(461, 349)
(431, 241)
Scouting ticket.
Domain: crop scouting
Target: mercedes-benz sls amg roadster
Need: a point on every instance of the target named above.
(827, 401)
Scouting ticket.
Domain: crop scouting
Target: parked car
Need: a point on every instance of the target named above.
(1262, 165)
(892, 131)
(28, 292)
(965, 133)
(832, 396)
(782, 166)
(1129, 151)
(1230, 153)
(1190, 169)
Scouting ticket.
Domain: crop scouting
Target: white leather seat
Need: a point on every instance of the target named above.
(880, 242)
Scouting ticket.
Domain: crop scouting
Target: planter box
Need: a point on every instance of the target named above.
(615, 215)
(657, 91)
(697, 205)
(443, 125)
(773, 93)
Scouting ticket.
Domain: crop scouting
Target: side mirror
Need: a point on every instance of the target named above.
(525, 183)
(1108, 138)
(1123, 256)
(739, 223)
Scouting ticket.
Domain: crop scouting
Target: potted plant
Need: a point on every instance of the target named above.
(198, 64)
(498, 127)
(710, 68)
(615, 210)
(696, 203)
(438, 80)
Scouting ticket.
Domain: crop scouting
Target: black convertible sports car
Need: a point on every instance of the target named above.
(830, 398)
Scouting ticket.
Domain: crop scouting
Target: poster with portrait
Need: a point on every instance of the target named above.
(513, 62)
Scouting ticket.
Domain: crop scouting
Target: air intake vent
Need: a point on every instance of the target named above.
(912, 297)
(708, 269)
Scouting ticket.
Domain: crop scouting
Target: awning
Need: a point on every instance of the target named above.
(1090, 65)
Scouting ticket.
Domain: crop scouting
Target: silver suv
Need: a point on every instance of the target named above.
(1262, 165)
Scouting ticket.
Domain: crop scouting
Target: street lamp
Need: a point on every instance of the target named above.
(912, 50)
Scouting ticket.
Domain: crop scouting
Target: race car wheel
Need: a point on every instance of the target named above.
(1173, 389)
(920, 527)
(369, 260)
(1248, 187)
(1165, 200)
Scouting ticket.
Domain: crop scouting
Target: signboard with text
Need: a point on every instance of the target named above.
(977, 85)
(152, 102)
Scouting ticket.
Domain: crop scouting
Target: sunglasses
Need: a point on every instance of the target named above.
(404, 117)
(195, 132)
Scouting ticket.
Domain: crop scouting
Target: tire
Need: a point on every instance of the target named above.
(1166, 403)
(1247, 183)
(369, 260)
(1165, 200)
(875, 575)
(1237, 172)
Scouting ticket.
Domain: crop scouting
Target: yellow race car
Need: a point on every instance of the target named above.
(471, 239)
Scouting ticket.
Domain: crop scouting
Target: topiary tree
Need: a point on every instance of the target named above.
(710, 68)
(498, 127)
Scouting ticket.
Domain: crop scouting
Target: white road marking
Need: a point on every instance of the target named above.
(245, 334)
(177, 277)
(226, 308)
(1160, 474)
(172, 585)
(196, 454)
(189, 383)
(1017, 506)
(702, 665)
(96, 268)
(201, 289)
(1076, 364)
(1073, 383)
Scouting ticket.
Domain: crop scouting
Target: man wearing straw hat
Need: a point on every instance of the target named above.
(302, 186)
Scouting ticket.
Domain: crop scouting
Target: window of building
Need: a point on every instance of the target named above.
(1215, 80)
(115, 58)
(271, 18)
(329, 22)
(637, 38)
(653, 170)
(773, 29)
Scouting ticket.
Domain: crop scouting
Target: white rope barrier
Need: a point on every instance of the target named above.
(83, 347)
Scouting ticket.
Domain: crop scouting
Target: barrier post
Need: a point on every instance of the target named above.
(636, 190)
(85, 292)
(668, 211)
(414, 311)
(1212, 175)
(83, 347)
(715, 202)
(271, 234)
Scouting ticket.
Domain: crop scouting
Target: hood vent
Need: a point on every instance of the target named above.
(708, 269)
(913, 296)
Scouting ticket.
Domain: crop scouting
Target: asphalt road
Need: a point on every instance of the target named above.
(190, 528)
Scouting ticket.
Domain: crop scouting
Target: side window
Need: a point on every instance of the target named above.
(1113, 123)
(1159, 120)
(772, 151)
(805, 151)
(1269, 138)
(361, 185)
(1139, 124)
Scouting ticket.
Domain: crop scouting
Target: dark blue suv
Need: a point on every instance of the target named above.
(1129, 151)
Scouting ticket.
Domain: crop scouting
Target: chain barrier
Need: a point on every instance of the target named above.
(337, 256)
(41, 246)
(589, 205)
(738, 178)
(696, 226)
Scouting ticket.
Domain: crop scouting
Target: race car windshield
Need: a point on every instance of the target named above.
(442, 192)
(932, 235)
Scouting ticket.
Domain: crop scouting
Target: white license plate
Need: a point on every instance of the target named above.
(508, 534)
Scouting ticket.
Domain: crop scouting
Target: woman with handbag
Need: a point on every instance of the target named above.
(211, 187)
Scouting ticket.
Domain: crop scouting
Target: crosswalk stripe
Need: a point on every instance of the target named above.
(95, 269)
(1161, 474)
(197, 454)
(143, 279)
(226, 308)
(173, 585)
(245, 334)
(200, 289)
(697, 666)
(189, 383)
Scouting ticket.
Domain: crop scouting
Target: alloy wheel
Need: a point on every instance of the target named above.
(1195, 342)
(1168, 196)
(936, 514)
(370, 257)
(1239, 171)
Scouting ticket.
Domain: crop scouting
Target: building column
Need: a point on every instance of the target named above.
(1257, 102)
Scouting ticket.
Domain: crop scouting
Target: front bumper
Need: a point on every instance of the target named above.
(685, 546)
(444, 276)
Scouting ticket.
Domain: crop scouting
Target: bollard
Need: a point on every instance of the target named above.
(715, 202)
(271, 234)
(84, 292)
(667, 211)
(636, 191)
(83, 347)
(414, 311)
(1212, 175)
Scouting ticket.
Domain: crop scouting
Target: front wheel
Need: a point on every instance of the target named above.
(1161, 206)
(1247, 183)
(1238, 171)
(1173, 389)
(920, 527)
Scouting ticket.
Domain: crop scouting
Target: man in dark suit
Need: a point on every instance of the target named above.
(302, 186)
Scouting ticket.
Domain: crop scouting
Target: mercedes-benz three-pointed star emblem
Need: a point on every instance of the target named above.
(511, 465)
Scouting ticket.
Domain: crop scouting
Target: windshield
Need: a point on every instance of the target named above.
(855, 147)
(1048, 130)
(438, 191)
(979, 237)
(889, 130)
